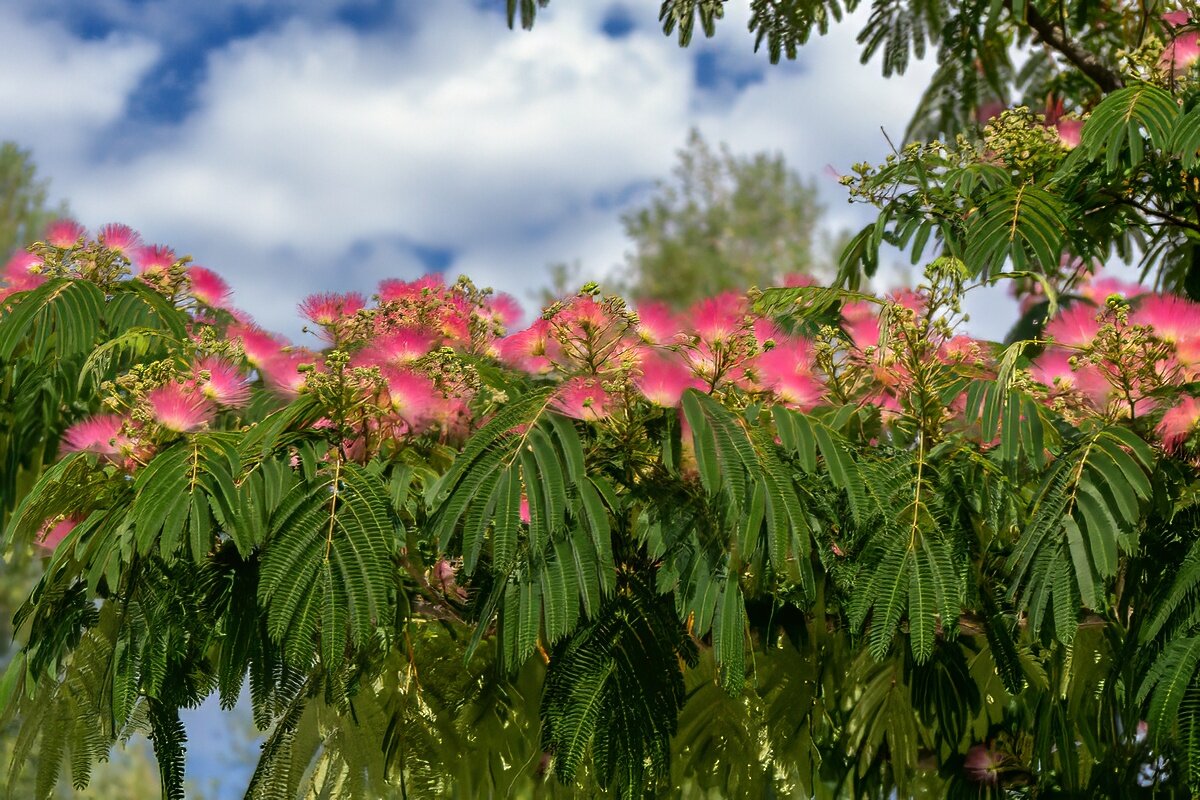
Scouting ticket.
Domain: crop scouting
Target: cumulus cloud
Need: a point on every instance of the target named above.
(58, 92)
(315, 153)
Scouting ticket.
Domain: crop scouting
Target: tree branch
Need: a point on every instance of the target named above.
(1054, 36)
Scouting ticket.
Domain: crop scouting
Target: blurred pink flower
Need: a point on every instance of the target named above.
(225, 385)
(664, 379)
(177, 409)
(1070, 132)
(258, 345)
(64, 233)
(1179, 422)
(281, 371)
(121, 238)
(718, 318)
(326, 308)
(49, 538)
(506, 309)
(1176, 18)
(1179, 56)
(413, 396)
(1074, 326)
(582, 398)
(392, 290)
(149, 259)
(982, 765)
(208, 287)
(100, 434)
(397, 348)
(657, 324)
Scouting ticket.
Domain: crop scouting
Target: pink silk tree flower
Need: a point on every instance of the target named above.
(151, 259)
(1075, 326)
(281, 371)
(1179, 56)
(1179, 422)
(225, 384)
(21, 264)
(100, 434)
(397, 348)
(50, 537)
(64, 233)
(1177, 18)
(664, 379)
(718, 318)
(121, 238)
(582, 398)
(526, 350)
(258, 345)
(327, 308)
(393, 290)
(657, 325)
(801, 392)
(1070, 132)
(208, 287)
(506, 310)
(178, 410)
(983, 765)
(413, 397)
(1175, 320)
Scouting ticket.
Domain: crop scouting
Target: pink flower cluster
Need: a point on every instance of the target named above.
(25, 270)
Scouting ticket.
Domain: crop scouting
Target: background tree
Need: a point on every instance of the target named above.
(23, 210)
(721, 223)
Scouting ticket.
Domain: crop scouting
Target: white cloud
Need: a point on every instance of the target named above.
(57, 92)
(455, 134)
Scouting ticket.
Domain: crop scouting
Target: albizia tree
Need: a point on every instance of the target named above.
(809, 542)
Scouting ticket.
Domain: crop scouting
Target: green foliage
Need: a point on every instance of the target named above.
(723, 223)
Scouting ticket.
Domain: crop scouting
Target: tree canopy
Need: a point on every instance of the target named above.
(806, 542)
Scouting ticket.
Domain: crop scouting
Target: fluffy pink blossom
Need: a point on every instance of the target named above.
(281, 371)
(326, 308)
(1070, 132)
(64, 233)
(527, 350)
(225, 385)
(1179, 56)
(22, 263)
(506, 309)
(801, 392)
(1100, 289)
(718, 318)
(524, 510)
(962, 349)
(100, 434)
(150, 259)
(208, 287)
(983, 765)
(397, 348)
(392, 290)
(177, 409)
(50, 537)
(1179, 422)
(122, 238)
(582, 398)
(413, 396)
(1177, 18)
(664, 379)
(657, 324)
(1175, 320)
(258, 345)
(1074, 326)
